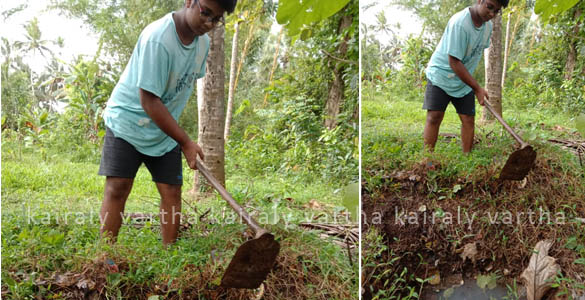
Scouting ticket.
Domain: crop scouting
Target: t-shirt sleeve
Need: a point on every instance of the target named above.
(455, 40)
(153, 68)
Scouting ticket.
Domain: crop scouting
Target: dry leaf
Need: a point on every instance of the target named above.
(65, 280)
(313, 204)
(399, 175)
(523, 182)
(86, 284)
(260, 293)
(469, 252)
(541, 269)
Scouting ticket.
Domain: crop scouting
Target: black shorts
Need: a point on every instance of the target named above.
(121, 159)
(437, 99)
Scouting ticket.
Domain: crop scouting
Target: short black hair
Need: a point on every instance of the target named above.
(227, 5)
(504, 3)
(230, 5)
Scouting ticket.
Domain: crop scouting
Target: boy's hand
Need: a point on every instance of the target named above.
(481, 94)
(191, 150)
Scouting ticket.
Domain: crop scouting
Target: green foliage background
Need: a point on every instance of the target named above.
(280, 156)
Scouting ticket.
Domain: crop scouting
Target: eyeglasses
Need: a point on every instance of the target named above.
(209, 18)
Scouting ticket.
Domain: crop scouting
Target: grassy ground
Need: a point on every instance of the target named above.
(51, 247)
(411, 200)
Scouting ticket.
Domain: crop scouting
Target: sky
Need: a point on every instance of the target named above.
(78, 38)
(409, 23)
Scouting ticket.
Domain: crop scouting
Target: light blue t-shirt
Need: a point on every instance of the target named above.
(464, 41)
(162, 65)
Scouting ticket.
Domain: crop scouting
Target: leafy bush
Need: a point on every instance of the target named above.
(87, 89)
(293, 140)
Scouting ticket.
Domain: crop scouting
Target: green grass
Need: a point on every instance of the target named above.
(50, 225)
(392, 134)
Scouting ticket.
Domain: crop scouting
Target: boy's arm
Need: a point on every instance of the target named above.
(460, 70)
(161, 116)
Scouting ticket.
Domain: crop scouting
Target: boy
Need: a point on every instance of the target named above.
(449, 71)
(142, 112)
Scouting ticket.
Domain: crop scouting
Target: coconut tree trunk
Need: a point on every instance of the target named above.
(493, 70)
(506, 49)
(212, 109)
(198, 180)
(335, 97)
(231, 91)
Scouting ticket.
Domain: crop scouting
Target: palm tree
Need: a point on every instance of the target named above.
(33, 37)
(33, 43)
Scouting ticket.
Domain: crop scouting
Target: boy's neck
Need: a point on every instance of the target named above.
(185, 35)
(477, 21)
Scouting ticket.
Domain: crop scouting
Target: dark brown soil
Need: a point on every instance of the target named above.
(403, 206)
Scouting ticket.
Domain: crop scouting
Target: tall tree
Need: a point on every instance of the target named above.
(573, 38)
(249, 37)
(493, 69)
(232, 86)
(335, 96)
(507, 44)
(34, 43)
(212, 109)
(274, 64)
(248, 13)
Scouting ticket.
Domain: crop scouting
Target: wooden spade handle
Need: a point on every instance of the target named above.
(508, 128)
(259, 231)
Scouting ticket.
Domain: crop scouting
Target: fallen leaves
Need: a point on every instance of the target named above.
(313, 204)
(469, 252)
(541, 270)
(260, 293)
(404, 175)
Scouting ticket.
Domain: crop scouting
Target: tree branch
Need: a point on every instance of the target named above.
(339, 59)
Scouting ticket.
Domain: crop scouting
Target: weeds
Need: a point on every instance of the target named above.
(51, 244)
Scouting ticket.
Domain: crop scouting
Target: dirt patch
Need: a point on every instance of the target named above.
(427, 221)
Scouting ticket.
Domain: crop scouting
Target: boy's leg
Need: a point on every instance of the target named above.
(167, 173)
(120, 162)
(436, 101)
(432, 125)
(465, 107)
(467, 132)
(116, 193)
(170, 211)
